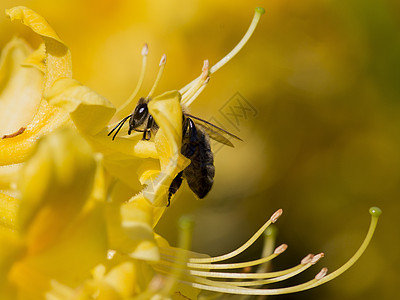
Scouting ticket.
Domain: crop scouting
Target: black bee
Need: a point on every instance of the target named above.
(195, 146)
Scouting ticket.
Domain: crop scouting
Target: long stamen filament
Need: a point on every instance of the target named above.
(375, 213)
(126, 107)
(199, 279)
(198, 92)
(185, 239)
(268, 247)
(228, 266)
(257, 15)
(163, 61)
(168, 267)
(194, 89)
(233, 265)
(273, 219)
(271, 280)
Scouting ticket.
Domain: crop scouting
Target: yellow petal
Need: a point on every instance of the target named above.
(57, 182)
(11, 249)
(123, 148)
(131, 231)
(58, 56)
(81, 246)
(20, 87)
(167, 113)
(8, 212)
(8, 178)
(37, 59)
(89, 111)
(124, 170)
(58, 65)
(123, 278)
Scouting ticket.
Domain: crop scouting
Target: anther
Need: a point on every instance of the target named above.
(317, 257)
(163, 60)
(276, 215)
(307, 259)
(321, 273)
(280, 249)
(145, 50)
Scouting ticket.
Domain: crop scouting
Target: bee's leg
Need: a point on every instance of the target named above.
(175, 185)
(149, 126)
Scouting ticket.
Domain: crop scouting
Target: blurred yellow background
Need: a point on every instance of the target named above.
(321, 82)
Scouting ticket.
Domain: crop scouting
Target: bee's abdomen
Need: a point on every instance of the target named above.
(200, 173)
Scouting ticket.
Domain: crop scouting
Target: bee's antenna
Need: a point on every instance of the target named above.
(119, 126)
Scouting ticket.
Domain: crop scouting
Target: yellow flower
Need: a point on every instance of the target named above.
(25, 114)
(67, 229)
(24, 74)
(61, 233)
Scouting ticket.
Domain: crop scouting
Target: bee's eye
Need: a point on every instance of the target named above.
(140, 111)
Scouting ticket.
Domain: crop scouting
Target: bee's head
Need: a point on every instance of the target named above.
(139, 115)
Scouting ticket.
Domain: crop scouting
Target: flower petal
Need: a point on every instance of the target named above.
(20, 87)
(8, 212)
(11, 249)
(89, 111)
(58, 56)
(131, 231)
(167, 112)
(58, 65)
(57, 182)
(122, 278)
(81, 246)
(37, 59)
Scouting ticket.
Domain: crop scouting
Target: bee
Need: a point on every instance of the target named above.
(196, 132)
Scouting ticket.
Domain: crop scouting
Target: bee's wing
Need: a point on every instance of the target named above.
(214, 132)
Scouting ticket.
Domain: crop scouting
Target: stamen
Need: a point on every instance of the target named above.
(168, 268)
(257, 15)
(283, 277)
(186, 225)
(307, 259)
(127, 106)
(199, 91)
(375, 213)
(163, 61)
(316, 258)
(282, 248)
(268, 247)
(235, 265)
(193, 92)
(227, 275)
(200, 279)
(259, 11)
(321, 273)
(274, 217)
